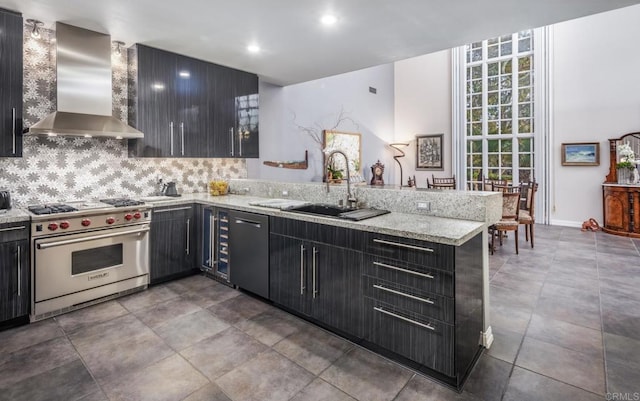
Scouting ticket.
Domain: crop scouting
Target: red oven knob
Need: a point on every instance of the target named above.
(110, 220)
(128, 216)
(85, 222)
(52, 226)
(64, 224)
(137, 215)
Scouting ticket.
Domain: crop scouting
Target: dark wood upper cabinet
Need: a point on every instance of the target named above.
(190, 108)
(11, 82)
(152, 102)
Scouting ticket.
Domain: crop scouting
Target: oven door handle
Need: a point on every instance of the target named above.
(94, 237)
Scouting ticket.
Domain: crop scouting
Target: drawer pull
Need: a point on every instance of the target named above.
(13, 228)
(417, 248)
(172, 209)
(426, 275)
(426, 326)
(426, 300)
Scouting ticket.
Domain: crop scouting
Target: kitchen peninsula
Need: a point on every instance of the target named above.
(411, 285)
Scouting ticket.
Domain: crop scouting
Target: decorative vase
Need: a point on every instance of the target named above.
(624, 175)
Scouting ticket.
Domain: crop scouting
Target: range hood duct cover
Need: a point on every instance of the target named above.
(84, 88)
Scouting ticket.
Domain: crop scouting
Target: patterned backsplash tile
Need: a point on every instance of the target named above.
(65, 168)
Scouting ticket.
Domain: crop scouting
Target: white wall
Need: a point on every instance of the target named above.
(318, 103)
(423, 107)
(595, 96)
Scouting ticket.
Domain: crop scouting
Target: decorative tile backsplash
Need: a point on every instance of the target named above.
(65, 168)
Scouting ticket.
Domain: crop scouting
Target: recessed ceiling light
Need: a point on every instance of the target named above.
(184, 74)
(158, 86)
(253, 48)
(328, 19)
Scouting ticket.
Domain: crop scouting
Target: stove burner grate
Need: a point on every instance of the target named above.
(52, 208)
(122, 202)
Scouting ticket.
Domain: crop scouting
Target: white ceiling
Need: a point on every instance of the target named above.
(295, 46)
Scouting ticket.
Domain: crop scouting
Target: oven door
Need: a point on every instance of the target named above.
(72, 263)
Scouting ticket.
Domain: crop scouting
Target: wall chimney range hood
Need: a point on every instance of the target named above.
(84, 88)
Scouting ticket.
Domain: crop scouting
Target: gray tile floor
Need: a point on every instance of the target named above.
(566, 320)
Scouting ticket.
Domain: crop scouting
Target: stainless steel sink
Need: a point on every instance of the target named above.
(321, 209)
(338, 212)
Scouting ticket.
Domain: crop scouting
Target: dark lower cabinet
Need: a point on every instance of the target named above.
(426, 306)
(417, 302)
(11, 83)
(318, 280)
(428, 342)
(172, 248)
(14, 271)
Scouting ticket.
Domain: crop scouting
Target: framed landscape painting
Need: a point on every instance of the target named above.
(429, 152)
(581, 154)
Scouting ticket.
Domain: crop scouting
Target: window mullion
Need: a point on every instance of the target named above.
(485, 127)
(515, 88)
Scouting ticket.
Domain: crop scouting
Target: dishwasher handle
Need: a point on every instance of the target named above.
(255, 224)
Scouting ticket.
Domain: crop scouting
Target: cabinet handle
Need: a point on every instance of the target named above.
(171, 136)
(302, 249)
(172, 209)
(426, 326)
(13, 130)
(188, 247)
(426, 275)
(13, 228)
(212, 241)
(19, 271)
(383, 288)
(313, 266)
(182, 136)
(249, 222)
(232, 141)
(417, 248)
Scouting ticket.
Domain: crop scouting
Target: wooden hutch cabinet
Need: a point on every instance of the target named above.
(621, 201)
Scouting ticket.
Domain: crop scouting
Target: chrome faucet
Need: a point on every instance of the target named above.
(351, 200)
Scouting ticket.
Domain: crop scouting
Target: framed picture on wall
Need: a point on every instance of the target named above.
(581, 154)
(429, 152)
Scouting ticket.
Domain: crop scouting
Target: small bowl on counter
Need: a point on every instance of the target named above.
(218, 187)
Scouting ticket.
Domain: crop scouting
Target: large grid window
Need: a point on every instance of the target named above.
(499, 109)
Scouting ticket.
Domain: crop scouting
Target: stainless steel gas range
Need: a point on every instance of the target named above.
(87, 252)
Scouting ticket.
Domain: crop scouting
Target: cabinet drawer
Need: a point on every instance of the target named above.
(14, 231)
(413, 276)
(172, 212)
(426, 305)
(322, 233)
(411, 251)
(428, 342)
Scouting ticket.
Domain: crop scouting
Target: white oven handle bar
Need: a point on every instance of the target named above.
(94, 237)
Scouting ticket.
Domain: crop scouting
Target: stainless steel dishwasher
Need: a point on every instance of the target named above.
(249, 252)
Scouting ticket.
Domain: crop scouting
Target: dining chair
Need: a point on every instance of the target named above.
(489, 184)
(526, 214)
(442, 183)
(509, 220)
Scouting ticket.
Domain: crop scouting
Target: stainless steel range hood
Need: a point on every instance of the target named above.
(84, 88)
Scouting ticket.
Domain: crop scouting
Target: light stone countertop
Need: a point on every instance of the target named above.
(14, 215)
(428, 228)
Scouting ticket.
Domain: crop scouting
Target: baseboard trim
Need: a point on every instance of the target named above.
(566, 223)
(487, 338)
